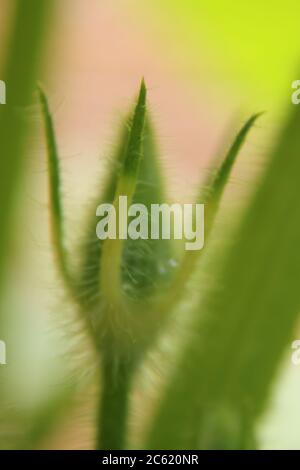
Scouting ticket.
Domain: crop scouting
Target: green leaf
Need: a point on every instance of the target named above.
(210, 197)
(215, 186)
(110, 276)
(246, 318)
(145, 263)
(56, 211)
(133, 152)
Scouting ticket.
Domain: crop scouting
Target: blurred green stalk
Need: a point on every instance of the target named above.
(245, 321)
(23, 54)
(29, 22)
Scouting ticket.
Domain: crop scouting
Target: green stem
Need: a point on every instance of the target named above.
(25, 45)
(113, 409)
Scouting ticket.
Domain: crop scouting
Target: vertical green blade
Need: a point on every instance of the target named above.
(245, 320)
(56, 211)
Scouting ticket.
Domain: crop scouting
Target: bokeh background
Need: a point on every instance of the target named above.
(207, 65)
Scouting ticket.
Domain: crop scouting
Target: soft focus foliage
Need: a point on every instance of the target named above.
(238, 302)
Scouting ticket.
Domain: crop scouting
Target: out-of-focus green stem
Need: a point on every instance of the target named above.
(113, 408)
(31, 18)
(19, 71)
